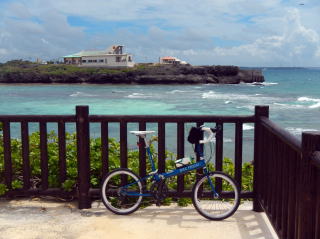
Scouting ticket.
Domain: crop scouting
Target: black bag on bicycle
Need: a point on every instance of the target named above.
(195, 135)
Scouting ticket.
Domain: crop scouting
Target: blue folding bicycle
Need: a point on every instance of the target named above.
(215, 195)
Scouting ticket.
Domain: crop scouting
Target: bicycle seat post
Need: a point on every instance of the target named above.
(143, 134)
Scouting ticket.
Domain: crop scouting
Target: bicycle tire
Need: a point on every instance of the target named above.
(219, 206)
(114, 189)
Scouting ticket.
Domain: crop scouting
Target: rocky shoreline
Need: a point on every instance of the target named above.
(160, 74)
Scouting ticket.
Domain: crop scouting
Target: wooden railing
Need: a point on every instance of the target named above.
(82, 119)
(287, 179)
(286, 170)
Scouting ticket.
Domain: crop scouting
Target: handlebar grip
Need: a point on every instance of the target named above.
(216, 129)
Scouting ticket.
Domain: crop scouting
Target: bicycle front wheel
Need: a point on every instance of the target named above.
(216, 196)
(121, 191)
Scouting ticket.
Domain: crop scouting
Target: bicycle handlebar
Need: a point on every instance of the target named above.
(210, 132)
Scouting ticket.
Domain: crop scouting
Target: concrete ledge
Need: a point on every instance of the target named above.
(37, 218)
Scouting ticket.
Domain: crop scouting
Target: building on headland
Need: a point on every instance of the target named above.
(111, 57)
(40, 61)
(171, 60)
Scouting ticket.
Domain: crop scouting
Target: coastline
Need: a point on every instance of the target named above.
(19, 72)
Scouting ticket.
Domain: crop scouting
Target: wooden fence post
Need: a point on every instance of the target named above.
(83, 152)
(259, 112)
(306, 187)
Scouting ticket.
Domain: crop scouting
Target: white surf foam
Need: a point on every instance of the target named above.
(270, 83)
(139, 95)
(308, 99)
(288, 106)
(228, 97)
(315, 106)
(247, 127)
(305, 98)
(262, 83)
(227, 140)
(177, 91)
(298, 131)
(81, 94)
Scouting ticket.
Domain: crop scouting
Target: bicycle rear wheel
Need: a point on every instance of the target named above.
(217, 203)
(120, 191)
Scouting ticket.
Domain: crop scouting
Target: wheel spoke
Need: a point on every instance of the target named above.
(213, 207)
(114, 191)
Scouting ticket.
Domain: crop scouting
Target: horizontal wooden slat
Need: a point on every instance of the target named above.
(283, 135)
(171, 118)
(38, 118)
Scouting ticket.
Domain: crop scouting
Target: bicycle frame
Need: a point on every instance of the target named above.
(160, 176)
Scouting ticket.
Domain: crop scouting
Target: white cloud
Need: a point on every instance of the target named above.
(259, 32)
(3, 52)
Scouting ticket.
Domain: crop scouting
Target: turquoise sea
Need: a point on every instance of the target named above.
(293, 95)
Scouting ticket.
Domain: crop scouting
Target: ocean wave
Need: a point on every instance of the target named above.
(209, 94)
(180, 91)
(225, 140)
(248, 107)
(230, 98)
(214, 95)
(305, 98)
(262, 83)
(270, 83)
(138, 95)
(308, 99)
(315, 106)
(177, 91)
(247, 127)
(298, 131)
(288, 106)
(81, 94)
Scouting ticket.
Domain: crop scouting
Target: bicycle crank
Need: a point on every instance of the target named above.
(159, 191)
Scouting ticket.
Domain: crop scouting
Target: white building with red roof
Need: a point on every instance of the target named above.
(171, 60)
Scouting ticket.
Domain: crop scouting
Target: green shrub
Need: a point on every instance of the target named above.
(70, 183)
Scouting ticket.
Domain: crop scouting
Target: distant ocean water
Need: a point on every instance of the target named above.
(293, 95)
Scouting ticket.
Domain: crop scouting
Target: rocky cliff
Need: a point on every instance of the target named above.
(143, 74)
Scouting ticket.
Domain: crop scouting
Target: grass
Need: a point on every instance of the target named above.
(20, 66)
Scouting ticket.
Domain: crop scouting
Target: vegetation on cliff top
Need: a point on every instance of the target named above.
(20, 66)
(19, 71)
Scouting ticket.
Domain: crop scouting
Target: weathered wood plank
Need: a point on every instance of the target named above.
(25, 155)
(238, 154)
(180, 153)
(7, 154)
(104, 148)
(161, 147)
(44, 155)
(62, 151)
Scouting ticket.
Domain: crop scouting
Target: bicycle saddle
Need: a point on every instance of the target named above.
(141, 133)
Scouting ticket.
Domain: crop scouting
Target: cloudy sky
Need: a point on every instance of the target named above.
(211, 32)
